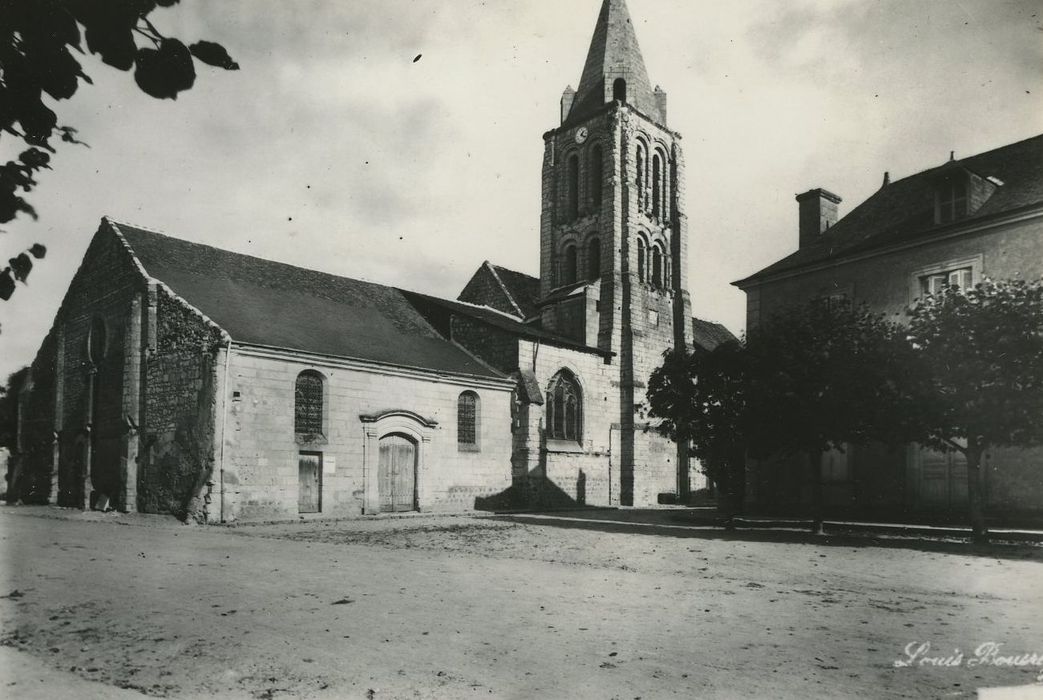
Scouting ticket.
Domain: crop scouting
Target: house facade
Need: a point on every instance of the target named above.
(181, 378)
(955, 224)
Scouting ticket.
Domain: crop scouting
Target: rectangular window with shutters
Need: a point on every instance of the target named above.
(959, 279)
(958, 273)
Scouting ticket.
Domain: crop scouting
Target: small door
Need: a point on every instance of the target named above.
(309, 498)
(397, 474)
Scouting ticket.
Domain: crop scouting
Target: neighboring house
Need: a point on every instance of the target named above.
(955, 224)
(186, 379)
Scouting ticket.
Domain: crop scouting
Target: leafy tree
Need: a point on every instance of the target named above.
(699, 399)
(981, 359)
(9, 428)
(811, 379)
(8, 407)
(38, 39)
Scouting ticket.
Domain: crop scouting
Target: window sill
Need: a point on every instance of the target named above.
(468, 448)
(566, 446)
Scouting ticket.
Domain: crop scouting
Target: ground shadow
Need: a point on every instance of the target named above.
(679, 524)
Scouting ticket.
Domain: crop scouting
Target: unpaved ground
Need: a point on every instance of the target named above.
(514, 608)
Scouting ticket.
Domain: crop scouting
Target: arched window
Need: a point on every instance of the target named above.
(619, 90)
(640, 176)
(642, 254)
(564, 408)
(96, 340)
(594, 259)
(569, 266)
(468, 419)
(657, 267)
(596, 175)
(657, 185)
(573, 186)
(307, 406)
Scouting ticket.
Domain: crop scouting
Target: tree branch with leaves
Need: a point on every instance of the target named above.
(39, 40)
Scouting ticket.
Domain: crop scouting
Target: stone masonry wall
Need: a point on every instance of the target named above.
(89, 416)
(261, 478)
(180, 405)
(497, 348)
(583, 472)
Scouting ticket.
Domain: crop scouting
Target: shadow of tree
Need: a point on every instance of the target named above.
(680, 524)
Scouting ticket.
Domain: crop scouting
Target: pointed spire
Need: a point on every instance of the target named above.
(615, 69)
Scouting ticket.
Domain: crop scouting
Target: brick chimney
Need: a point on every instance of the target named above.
(818, 212)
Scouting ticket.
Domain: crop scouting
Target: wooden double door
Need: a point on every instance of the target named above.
(396, 474)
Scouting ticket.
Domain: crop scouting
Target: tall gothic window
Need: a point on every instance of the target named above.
(657, 185)
(307, 406)
(96, 341)
(640, 163)
(657, 267)
(642, 254)
(467, 420)
(596, 175)
(594, 259)
(573, 186)
(564, 408)
(569, 268)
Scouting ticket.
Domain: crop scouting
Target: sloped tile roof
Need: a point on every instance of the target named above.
(439, 311)
(268, 303)
(904, 209)
(708, 335)
(524, 289)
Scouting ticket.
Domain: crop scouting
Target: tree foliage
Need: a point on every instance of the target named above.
(9, 407)
(39, 41)
(698, 398)
(981, 372)
(965, 375)
(813, 378)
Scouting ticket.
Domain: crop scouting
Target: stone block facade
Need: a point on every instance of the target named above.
(362, 405)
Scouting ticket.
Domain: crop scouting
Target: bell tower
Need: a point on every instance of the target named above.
(614, 238)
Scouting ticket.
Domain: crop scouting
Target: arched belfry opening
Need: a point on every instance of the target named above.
(619, 90)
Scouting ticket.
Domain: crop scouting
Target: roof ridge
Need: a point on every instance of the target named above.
(961, 161)
(225, 335)
(269, 261)
(506, 291)
(534, 278)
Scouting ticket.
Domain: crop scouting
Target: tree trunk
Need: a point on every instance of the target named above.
(975, 495)
(815, 463)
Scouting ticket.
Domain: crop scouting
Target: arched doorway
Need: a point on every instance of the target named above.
(396, 474)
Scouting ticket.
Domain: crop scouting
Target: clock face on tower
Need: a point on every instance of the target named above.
(582, 134)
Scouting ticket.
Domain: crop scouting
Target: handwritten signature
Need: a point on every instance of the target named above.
(918, 654)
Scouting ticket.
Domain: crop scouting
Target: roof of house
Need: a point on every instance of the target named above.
(904, 210)
(522, 288)
(708, 335)
(439, 310)
(261, 302)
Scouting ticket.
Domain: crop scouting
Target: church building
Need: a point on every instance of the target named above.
(181, 378)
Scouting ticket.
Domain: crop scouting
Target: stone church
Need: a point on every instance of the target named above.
(180, 378)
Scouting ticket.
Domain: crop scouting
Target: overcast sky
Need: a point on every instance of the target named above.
(332, 149)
